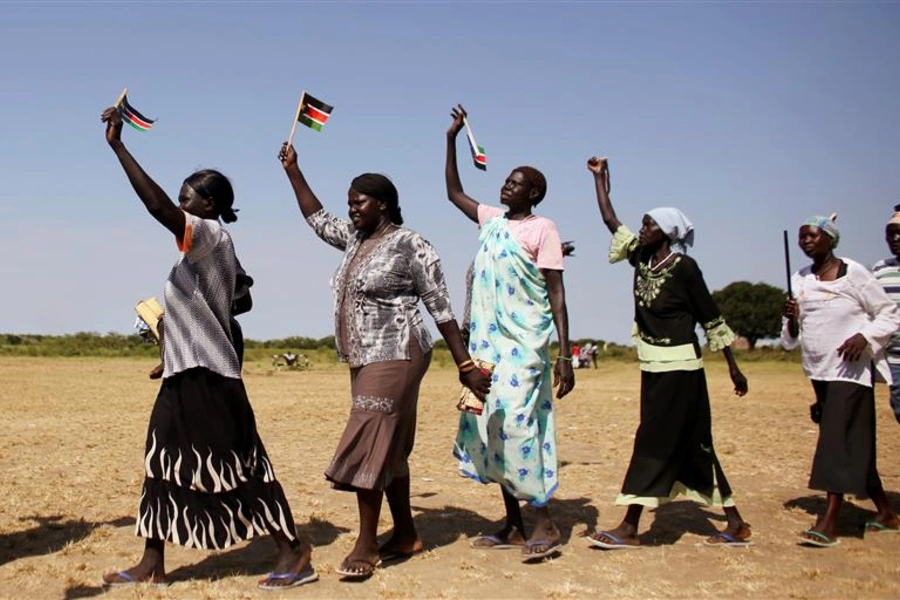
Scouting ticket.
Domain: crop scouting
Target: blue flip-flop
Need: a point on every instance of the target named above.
(875, 526)
(819, 540)
(307, 575)
(128, 580)
(728, 541)
(616, 544)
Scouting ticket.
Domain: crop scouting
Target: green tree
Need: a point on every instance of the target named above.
(752, 310)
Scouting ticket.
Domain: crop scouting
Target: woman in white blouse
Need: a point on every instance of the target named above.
(841, 318)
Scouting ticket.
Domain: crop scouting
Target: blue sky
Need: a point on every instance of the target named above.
(748, 117)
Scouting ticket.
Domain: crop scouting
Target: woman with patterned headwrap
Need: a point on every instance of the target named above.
(673, 448)
(842, 319)
(517, 298)
(386, 271)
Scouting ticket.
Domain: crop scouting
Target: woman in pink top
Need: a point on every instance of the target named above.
(517, 297)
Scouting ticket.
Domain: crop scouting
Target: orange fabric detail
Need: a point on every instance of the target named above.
(184, 244)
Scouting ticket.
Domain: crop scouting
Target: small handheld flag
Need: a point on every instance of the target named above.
(478, 155)
(131, 115)
(312, 112)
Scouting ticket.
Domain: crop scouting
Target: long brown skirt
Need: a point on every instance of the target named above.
(381, 430)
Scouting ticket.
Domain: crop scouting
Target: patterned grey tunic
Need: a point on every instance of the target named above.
(198, 298)
(384, 291)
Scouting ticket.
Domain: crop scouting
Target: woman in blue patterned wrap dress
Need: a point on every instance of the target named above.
(517, 298)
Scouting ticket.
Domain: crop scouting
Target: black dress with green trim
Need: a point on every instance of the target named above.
(673, 449)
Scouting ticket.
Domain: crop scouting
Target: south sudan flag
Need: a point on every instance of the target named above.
(131, 116)
(478, 155)
(314, 113)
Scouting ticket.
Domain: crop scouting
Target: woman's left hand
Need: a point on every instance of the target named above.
(853, 347)
(739, 381)
(563, 377)
(477, 380)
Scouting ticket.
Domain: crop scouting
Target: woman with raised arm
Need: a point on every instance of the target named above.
(386, 270)
(517, 298)
(673, 448)
(842, 319)
(209, 482)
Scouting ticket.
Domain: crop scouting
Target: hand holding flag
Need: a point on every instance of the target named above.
(460, 120)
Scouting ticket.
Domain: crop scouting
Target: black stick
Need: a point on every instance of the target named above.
(787, 264)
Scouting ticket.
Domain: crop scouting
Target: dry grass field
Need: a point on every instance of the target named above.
(71, 445)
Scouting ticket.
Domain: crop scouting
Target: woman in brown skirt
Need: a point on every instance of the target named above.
(386, 270)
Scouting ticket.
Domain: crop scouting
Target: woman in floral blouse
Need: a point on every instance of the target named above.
(673, 448)
(386, 270)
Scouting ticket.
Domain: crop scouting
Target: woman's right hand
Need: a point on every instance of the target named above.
(113, 119)
(791, 309)
(459, 115)
(287, 155)
(477, 380)
(598, 164)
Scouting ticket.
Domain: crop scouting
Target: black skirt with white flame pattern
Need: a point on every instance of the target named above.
(209, 482)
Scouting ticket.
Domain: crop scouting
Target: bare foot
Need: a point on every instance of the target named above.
(544, 541)
(396, 548)
(735, 534)
(358, 567)
(622, 536)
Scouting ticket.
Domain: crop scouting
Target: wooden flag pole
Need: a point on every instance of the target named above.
(121, 97)
(296, 118)
(787, 264)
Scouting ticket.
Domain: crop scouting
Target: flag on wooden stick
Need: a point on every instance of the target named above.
(131, 115)
(313, 112)
(478, 155)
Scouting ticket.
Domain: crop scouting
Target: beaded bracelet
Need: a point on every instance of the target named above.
(568, 358)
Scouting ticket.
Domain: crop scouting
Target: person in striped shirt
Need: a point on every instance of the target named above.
(887, 272)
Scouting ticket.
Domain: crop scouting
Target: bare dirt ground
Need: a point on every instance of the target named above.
(71, 444)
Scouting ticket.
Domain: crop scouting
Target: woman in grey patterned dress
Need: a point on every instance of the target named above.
(208, 479)
(386, 270)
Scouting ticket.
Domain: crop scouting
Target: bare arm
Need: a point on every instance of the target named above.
(306, 199)
(455, 192)
(737, 378)
(158, 204)
(600, 169)
(563, 376)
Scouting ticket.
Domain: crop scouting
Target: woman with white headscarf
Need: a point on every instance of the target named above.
(842, 319)
(673, 449)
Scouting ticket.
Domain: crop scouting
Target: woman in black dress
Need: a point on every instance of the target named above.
(673, 448)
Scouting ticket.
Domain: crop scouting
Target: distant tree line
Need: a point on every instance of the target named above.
(752, 310)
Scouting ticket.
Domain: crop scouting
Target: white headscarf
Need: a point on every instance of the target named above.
(675, 225)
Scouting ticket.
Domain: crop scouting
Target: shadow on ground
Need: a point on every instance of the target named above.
(49, 534)
(254, 557)
(852, 518)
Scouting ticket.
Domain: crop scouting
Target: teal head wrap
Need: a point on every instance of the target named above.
(827, 225)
